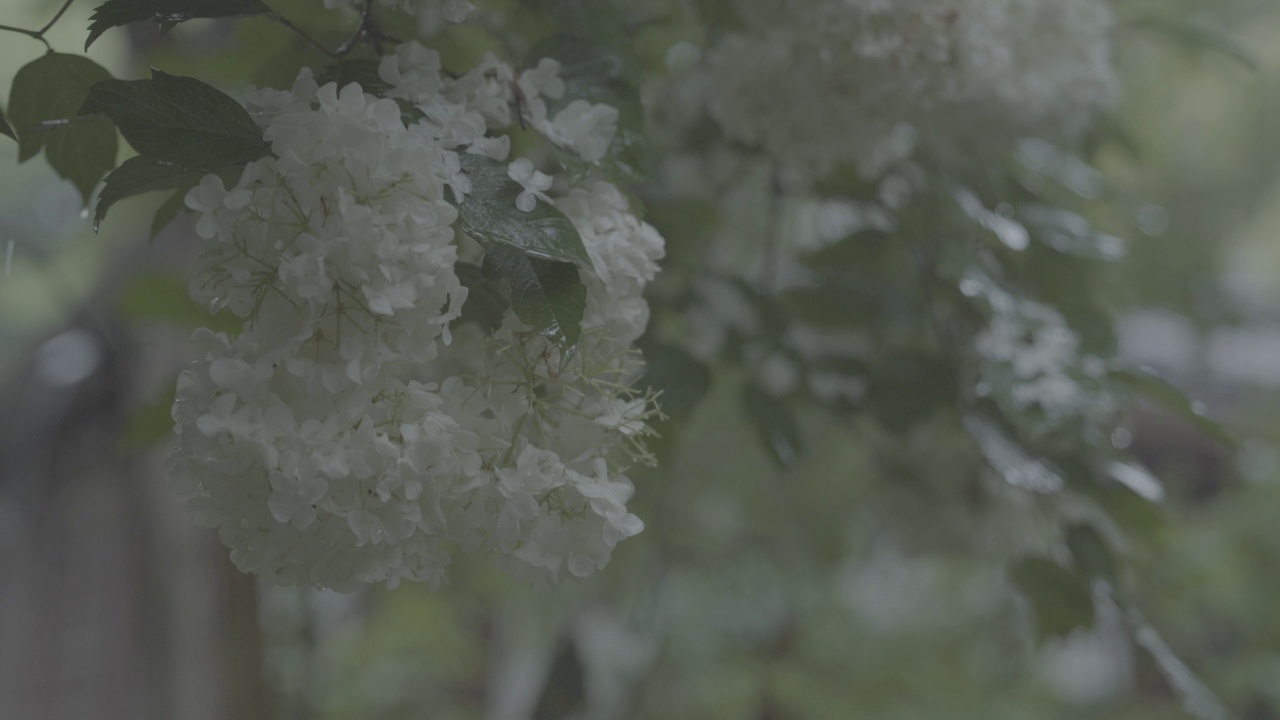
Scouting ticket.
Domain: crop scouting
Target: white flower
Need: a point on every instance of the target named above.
(624, 415)
(583, 127)
(456, 11)
(534, 182)
(542, 80)
(347, 435)
(1033, 362)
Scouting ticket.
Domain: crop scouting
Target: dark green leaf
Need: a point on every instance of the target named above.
(363, 71)
(166, 13)
(1153, 388)
(167, 211)
(1061, 600)
(45, 95)
(775, 424)
(489, 214)
(179, 120)
(486, 302)
(1091, 553)
(679, 378)
(139, 175)
(905, 386)
(1134, 514)
(409, 113)
(860, 251)
(841, 299)
(547, 295)
(5, 129)
(82, 152)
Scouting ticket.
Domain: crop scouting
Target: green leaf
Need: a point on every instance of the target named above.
(908, 385)
(1172, 398)
(1061, 600)
(1091, 553)
(842, 299)
(409, 113)
(1131, 512)
(489, 214)
(547, 295)
(5, 129)
(679, 378)
(775, 424)
(486, 302)
(179, 120)
(45, 96)
(81, 153)
(166, 13)
(139, 175)
(167, 211)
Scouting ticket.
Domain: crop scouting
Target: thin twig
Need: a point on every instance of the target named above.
(39, 34)
(362, 31)
(56, 18)
(286, 22)
(28, 33)
(369, 31)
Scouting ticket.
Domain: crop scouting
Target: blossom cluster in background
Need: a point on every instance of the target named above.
(822, 82)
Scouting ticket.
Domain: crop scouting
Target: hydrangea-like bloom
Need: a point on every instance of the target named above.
(820, 82)
(351, 433)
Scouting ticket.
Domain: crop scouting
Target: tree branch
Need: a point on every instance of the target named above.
(286, 22)
(39, 34)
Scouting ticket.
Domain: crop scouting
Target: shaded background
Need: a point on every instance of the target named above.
(861, 583)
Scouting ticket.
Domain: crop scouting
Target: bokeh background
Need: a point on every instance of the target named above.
(860, 583)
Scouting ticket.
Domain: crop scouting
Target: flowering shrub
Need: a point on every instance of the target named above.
(439, 251)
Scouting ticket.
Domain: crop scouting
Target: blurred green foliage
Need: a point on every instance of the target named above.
(849, 560)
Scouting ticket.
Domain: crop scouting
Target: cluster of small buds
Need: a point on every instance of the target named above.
(356, 431)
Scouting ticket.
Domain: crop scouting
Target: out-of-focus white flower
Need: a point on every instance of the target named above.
(1033, 362)
(820, 82)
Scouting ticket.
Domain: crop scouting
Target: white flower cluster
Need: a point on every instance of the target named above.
(821, 82)
(353, 432)
(1033, 363)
